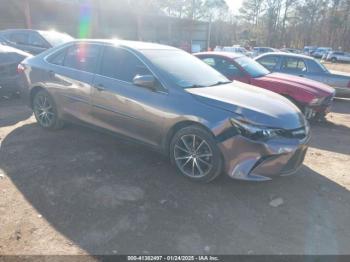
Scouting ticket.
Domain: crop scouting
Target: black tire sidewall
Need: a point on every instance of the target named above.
(203, 134)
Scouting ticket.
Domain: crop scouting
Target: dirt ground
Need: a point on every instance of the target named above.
(341, 67)
(76, 191)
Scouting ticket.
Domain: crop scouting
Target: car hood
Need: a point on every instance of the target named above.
(311, 86)
(256, 105)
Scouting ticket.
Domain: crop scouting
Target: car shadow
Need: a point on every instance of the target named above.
(330, 135)
(341, 105)
(107, 195)
(13, 111)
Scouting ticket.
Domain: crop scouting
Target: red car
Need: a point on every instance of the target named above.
(313, 98)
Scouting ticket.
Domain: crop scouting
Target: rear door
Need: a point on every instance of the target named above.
(121, 106)
(70, 77)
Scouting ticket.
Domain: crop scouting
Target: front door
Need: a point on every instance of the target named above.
(121, 106)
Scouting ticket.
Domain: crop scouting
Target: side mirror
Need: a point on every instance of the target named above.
(147, 81)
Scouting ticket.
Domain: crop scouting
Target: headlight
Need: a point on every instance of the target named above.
(316, 101)
(254, 132)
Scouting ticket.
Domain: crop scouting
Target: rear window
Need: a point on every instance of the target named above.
(269, 62)
(293, 63)
(82, 57)
(55, 38)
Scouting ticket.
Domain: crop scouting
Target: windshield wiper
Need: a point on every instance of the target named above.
(221, 83)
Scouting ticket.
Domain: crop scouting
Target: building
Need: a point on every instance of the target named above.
(95, 19)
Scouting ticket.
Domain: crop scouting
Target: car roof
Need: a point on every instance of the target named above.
(9, 49)
(19, 30)
(231, 55)
(138, 45)
(286, 54)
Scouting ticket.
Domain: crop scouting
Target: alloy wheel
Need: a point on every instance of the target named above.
(193, 156)
(43, 110)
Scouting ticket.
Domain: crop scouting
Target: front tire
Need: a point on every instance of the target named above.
(334, 59)
(195, 154)
(45, 111)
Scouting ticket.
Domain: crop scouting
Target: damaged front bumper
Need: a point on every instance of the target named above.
(251, 160)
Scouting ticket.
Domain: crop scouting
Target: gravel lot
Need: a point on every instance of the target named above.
(77, 191)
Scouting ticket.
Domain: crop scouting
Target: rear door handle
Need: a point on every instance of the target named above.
(301, 75)
(100, 87)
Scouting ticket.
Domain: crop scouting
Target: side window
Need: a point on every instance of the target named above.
(209, 60)
(36, 40)
(82, 57)
(294, 64)
(314, 67)
(122, 65)
(269, 61)
(19, 38)
(227, 68)
(58, 58)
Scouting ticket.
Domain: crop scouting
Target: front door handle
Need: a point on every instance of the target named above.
(100, 87)
(301, 75)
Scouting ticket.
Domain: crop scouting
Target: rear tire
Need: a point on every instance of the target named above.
(45, 111)
(195, 154)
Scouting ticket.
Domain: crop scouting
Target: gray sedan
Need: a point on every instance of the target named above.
(172, 101)
(307, 67)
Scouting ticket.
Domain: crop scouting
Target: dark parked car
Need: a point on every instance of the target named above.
(262, 50)
(172, 101)
(308, 67)
(9, 60)
(291, 50)
(33, 41)
(320, 51)
(313, 98)
(308, 50)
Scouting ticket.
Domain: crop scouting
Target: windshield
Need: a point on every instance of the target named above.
(55, 38)
(184, 69)
(253, 68)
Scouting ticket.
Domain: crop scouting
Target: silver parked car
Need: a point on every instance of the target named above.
(337, 56)
(308, 67)
(172, 101)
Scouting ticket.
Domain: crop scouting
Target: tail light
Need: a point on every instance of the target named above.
(20, 68)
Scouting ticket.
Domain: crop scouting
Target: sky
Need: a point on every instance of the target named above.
(234, 5)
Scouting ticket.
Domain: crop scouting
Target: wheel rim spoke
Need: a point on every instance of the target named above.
(201, 172)
(186, 145)
(186, 162)
(182, 149)
(44, 110)
(204, 162)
